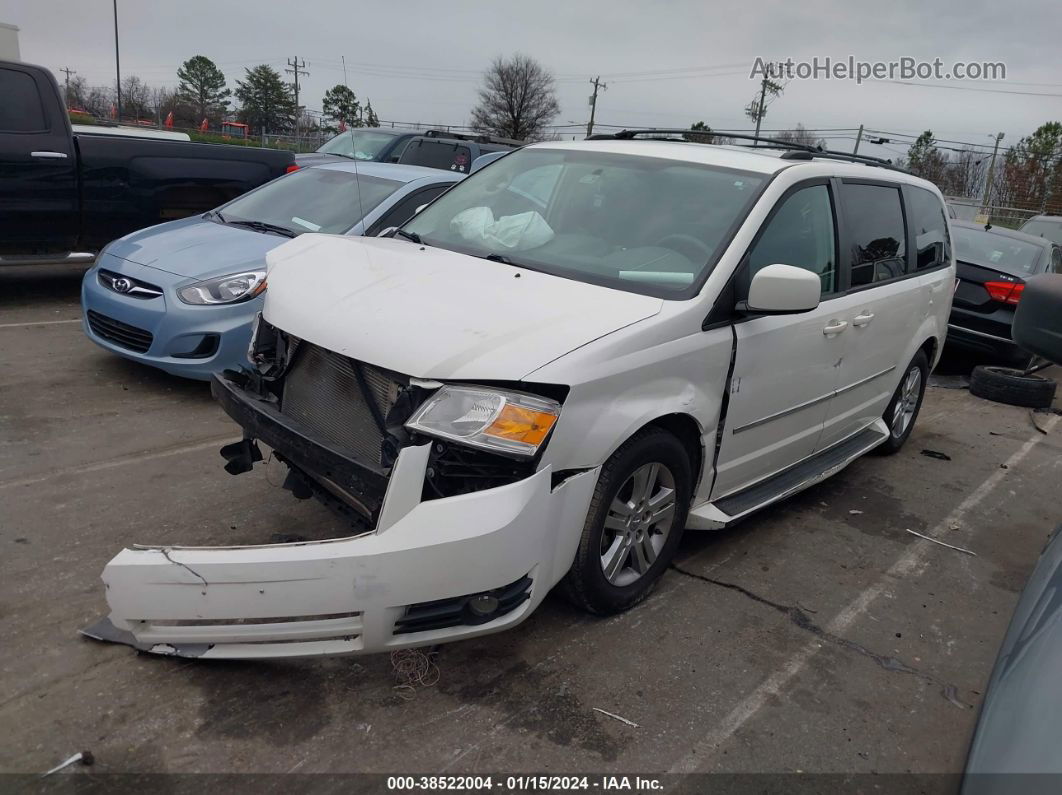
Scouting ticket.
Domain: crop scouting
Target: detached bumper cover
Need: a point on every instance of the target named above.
(350, 595)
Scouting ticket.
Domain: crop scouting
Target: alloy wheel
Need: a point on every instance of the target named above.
(907, 402)
(638, 523)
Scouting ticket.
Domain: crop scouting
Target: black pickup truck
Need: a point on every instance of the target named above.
(63, 196)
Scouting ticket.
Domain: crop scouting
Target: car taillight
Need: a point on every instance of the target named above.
(292, 167)
(1005, 292)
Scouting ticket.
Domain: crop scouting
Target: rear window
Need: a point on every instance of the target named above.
(326, 200)
(20, 110)
(926, 216)
(359, 144)
(437, 154)
(1052, 230)
(997, 252)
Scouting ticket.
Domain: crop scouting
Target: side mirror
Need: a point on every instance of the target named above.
(783, 290)
(1037, 324)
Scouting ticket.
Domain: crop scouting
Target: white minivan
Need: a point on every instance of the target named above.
(546, 376)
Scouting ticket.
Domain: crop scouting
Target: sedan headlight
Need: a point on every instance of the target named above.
(229, 289)
(491, 419)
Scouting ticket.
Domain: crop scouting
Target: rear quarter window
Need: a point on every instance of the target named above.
(926, 216)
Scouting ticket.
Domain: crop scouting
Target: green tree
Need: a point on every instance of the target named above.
(1031, 172)
(202, 87)
(370, 118)
(267, 103)
(341, 105)
(926, 161)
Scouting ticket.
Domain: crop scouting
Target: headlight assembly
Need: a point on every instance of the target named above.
(490, 419)
(229, 289)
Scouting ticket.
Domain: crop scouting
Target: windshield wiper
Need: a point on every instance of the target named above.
(412, 237)
(504, 260)
(262, 226)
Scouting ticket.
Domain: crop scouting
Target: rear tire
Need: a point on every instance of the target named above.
(902, 412)
(1007, 385)
(616, 566)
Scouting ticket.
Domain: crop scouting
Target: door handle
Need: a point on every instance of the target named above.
(863, 319)
(49, 155)
(835, 327)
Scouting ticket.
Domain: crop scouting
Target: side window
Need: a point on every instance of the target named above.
(877, 233)
(800, 233)
(1056, 259)
(20, 110)
(926, 217)
(405, 208)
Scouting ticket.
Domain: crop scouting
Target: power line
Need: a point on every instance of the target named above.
(969, 88)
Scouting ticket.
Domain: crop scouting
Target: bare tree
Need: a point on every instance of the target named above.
(801, 135)
(965, 174)
(517, 99)
(136, 98)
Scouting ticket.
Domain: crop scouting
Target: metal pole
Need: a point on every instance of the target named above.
(991, 172)
(859, 137)
(117, 66)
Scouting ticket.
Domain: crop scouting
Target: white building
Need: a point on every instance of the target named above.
(9, 42)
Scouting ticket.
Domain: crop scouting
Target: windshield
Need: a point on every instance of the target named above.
(1052, 230)
(359, 144)
(312, 200)
(640, 224)
(997, 252)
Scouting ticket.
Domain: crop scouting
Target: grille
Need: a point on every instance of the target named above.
(134, 288)
(122, 334)
(322, 393)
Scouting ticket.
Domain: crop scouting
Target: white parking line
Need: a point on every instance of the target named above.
(908, 563)
(132, 458)
(39, 323)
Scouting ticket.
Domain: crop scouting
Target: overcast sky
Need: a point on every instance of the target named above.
(421, 61)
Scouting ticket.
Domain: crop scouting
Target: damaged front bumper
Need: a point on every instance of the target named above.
(431, 571)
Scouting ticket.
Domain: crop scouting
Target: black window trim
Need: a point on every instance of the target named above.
(846, 235)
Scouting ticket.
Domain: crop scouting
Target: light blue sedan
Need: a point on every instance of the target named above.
(182, 296)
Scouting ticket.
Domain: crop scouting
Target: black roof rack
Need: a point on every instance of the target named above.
(479, 138)
(796, 151)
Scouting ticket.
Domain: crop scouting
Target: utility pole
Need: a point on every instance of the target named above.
(297, 69)
(344, 59)
(67, 71)
(760, 111)
(117, 67)
(859, 137)
(597, 84)
(991, 173)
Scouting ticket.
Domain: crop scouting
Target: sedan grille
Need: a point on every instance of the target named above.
(126, 285)
(121, 334)
(324, 393)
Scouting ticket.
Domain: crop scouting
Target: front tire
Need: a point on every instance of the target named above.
(902, 412)
(633, 526)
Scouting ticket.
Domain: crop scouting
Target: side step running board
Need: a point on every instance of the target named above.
(728, 509)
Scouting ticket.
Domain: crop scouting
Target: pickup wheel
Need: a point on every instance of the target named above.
(633, 526)
(902, 411)
(1013, 387)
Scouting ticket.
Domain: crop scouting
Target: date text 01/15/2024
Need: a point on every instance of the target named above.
(523, 783)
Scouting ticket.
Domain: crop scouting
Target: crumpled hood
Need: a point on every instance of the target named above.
(433, 313)
(196, 247)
